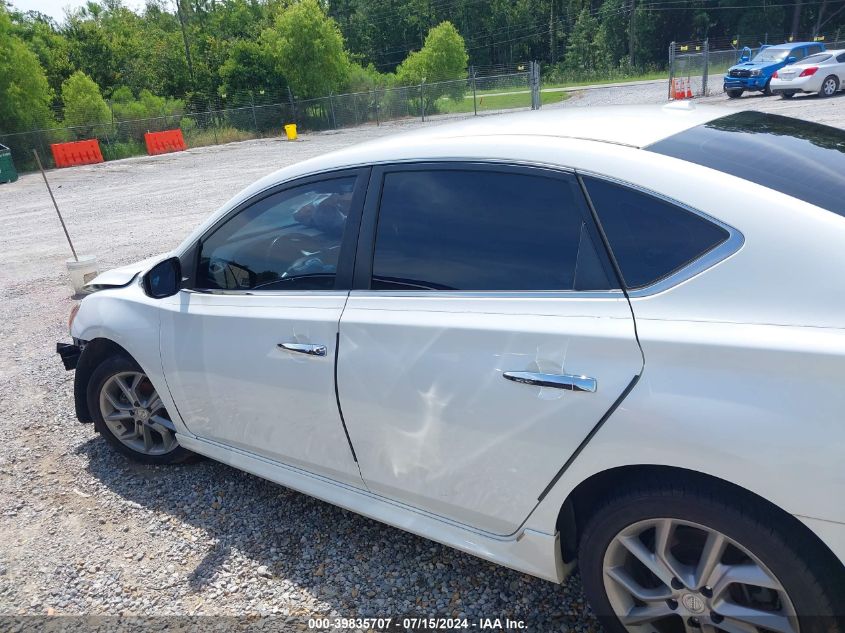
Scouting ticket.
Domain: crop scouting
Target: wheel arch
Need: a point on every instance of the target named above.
(95, 352)
(583, 500)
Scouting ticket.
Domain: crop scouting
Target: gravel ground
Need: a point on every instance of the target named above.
(83, 531)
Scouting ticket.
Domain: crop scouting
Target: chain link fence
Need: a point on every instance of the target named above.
(704, 68)
(247, 115)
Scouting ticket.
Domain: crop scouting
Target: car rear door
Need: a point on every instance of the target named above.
(249, 349)
(484, 339)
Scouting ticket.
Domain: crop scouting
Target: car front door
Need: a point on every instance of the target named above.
(249, 349)
(484, 339)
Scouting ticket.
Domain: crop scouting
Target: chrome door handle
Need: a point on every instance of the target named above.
(569, 382)
(304, 348)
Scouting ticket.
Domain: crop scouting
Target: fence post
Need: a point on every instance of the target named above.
(706, 67)
(671, 67)
(534, 83)
(331, 106)
(422, 99)
(292, 104)
(252, 104)
(377, 107)
(473, 74)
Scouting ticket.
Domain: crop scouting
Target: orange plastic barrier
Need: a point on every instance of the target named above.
(164, 142)
(76, 153)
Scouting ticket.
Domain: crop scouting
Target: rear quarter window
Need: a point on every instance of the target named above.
(650, 238)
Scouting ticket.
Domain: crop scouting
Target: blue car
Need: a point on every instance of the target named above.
(755, 74)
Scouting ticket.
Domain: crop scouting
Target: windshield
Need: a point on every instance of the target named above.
(772, 55)
(798, 158)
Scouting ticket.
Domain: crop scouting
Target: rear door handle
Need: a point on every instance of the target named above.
(569, 382)
(304, 348)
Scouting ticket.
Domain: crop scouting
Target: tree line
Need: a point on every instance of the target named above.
(104, 61)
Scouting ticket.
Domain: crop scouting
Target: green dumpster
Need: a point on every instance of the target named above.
(7, 167)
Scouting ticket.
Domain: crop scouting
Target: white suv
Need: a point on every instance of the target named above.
(614, 337)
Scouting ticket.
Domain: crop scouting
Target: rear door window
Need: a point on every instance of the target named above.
(462, 229)
(650, 238)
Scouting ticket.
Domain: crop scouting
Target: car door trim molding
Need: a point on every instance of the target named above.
(718, 253)
(587, 439)
(339, 408)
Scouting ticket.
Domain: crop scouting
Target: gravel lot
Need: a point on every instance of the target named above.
(83, 531)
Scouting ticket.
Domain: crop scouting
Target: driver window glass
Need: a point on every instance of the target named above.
(287, 241)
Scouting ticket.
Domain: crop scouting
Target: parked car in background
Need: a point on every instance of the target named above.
(578, 335)
(755, 75)
(823, 73)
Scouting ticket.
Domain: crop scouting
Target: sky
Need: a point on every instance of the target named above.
(56, 8)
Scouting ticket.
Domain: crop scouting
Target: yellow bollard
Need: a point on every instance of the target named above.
(290, 131)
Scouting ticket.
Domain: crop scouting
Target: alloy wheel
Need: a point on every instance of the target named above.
(134, 413)
(829, 87)
(672, 576)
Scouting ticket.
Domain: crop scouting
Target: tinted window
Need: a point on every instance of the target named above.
(798, 158)
(289, 240)
(482, 230)
(841, 58)
(649, 237)
(815, 48)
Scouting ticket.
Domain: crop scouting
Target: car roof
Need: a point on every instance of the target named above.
(636, 126)
(628, 126)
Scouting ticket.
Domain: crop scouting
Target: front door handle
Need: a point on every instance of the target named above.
(569, 382)
(304, 348)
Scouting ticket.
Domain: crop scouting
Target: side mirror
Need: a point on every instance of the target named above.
(791, 59)
(164, 279)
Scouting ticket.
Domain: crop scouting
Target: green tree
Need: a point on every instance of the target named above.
(306, 47)
(84, 105)
(442, 57)
(588, 51)
(250, 67)
(24, 91)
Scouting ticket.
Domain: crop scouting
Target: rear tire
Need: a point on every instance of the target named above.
(128, 413)
(734, 94)
(787, 95)
(752, 540)
(830, 86)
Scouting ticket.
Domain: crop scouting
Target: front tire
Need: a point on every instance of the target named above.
(734, 94)
(130, 415)
(665, 559)
(830, 86)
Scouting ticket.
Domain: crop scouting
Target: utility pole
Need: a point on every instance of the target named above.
(185, 40)
(796, 19)
(552, 33)
(632, 40)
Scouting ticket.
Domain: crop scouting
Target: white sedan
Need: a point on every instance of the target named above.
(823, 73)
(605, 337)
